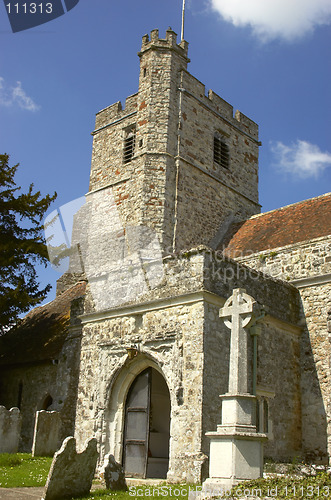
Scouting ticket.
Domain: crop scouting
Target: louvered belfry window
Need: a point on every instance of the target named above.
(129, 144)
(221, 152)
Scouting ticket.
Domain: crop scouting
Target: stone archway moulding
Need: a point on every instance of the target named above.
(117, 390)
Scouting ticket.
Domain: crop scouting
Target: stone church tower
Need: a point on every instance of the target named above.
(153, 363)
(170, 227)
(177, 161)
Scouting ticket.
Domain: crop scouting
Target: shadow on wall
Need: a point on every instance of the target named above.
(313, 385)
(39, 367)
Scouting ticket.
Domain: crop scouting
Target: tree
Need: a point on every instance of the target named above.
(22, 246)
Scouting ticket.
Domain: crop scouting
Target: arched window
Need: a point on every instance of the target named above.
(48, 401)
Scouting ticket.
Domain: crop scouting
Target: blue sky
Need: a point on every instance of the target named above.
(268, 59)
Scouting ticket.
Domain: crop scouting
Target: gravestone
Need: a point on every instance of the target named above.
(10, 429)
(71, 473)
(46, 433)
(113, 474)
(236, 448)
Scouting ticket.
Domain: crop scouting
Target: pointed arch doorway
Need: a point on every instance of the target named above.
(147, 427)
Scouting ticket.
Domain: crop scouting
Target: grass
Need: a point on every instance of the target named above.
(164, 492)
(289, 487)
(21, 469)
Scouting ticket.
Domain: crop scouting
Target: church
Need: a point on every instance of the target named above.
(133, 350)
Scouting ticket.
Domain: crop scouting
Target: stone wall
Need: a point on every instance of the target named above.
(201, 117)
(308, 266)
(278, 380)
(67, 383)
(205, 203)
(293, 262)
(35, 386)
(170, 341)
(278, 350)
(222, 274)
(172, 183)
(176, 329)
(204, 269)
(316, 375)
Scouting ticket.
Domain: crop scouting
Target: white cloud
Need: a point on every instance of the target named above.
(5, 98)
(269, 19)
(301, 158)
(11, 96)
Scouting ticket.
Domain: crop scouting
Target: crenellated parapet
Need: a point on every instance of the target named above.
(115, 112)
(169, 42)
(213, 101)
(172, 142)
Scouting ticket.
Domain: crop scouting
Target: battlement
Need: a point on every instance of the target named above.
(116, 111)
(193, 86)
(169, 42)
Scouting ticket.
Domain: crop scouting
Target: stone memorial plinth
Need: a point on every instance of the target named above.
(236, 448)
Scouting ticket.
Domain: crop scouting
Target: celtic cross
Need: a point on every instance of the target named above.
(237, 313)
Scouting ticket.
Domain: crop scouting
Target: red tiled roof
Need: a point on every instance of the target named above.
(42, 332)
(295, 223)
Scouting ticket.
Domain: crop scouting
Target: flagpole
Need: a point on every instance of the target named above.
(183, 19)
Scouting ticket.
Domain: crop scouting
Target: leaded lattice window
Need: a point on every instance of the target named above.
(129, 144)
(221, 152)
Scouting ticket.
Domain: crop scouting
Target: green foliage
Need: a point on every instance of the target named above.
(164, 492)
(263, 257)
(9, 459)
(22, 245)
(105, 495)
(21, 469)
(290, 487)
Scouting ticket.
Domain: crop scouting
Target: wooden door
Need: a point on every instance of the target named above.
(136, 432)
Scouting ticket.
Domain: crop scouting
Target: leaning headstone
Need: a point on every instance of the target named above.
(10, 429)
(46, 433)
(71, 473)
(113, 474)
